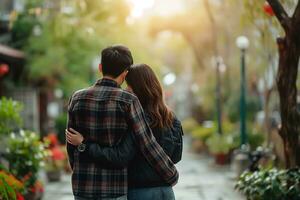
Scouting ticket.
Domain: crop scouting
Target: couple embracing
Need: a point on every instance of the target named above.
(122, 144)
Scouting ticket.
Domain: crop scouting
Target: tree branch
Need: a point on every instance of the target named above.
(213, 27)
(296, 20)
(297, 11)
(281, 14)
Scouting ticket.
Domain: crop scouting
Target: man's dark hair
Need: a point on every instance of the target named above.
(115, 60)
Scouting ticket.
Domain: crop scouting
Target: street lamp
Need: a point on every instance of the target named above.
(242, 43)
(169, 79)
(218, 62)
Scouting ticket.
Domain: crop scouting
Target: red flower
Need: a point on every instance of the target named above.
(32, 189)
(20, 196)
(268, 9)
(4, 69)
(57, 153)
(52, 137)
(27, 177)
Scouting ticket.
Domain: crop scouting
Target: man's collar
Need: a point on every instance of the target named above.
(107, 82)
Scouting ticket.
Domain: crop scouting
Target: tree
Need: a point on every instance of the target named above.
(72, 33)
(194, 31)
(289, 53)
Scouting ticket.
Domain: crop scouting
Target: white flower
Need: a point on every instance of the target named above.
(7, 150)
(29, 163)
(38, 156)
(22, 133)
(42, 164)
(13, 136)
(32, 135)
(41, 147)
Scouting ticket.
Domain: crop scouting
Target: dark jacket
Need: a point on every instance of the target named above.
(126, 154)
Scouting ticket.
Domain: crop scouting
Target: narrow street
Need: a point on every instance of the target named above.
(200, 179)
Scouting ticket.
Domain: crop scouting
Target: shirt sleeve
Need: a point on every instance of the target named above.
(117, 156)
(177, 134)
(70, 124)
(148, 146)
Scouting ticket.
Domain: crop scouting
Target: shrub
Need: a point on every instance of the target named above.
(203, 133)
(10, 118)
(26, 154)
(209, 129)
(60, 125)
(270, 184)
(10, 186)
(221, 143)
(255, 138)
(233, 110)
(189, 125)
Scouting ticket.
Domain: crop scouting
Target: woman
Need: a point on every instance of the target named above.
(144, 182)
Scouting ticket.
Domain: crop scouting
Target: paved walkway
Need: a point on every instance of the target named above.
(200, 179)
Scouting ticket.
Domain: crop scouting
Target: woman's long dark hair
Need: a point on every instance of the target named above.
(144, 83)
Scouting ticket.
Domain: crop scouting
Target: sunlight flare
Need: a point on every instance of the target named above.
(140, 6)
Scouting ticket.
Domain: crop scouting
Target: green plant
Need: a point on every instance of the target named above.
(255, 137)
(221, 143)
(233, 111)
(26, 154)
(6, 191)
(270, 184)
(10, 186)
(209, 129)
(60, 125)
(10, 118)
(203, 133)
(189, 125)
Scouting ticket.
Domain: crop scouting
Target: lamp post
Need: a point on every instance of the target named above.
(242, 43)
(169, 79)
(218, 61)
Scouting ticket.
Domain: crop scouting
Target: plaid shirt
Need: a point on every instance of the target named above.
(104, 113)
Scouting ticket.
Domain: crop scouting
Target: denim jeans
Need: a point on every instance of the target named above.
(153, 193)
(118, 198)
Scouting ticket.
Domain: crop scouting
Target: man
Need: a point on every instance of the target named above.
(105, 114)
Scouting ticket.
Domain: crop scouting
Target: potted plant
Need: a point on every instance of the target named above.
(55, 159)
(200, 134)
(220, 146)
(272, 184)
(26, 155)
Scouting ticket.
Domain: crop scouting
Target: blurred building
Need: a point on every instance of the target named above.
(12, 69)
